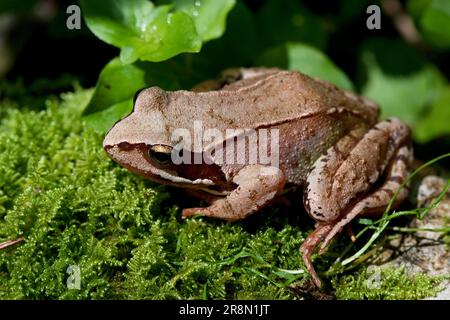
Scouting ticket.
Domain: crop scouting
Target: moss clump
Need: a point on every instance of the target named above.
(386, 284)
(75, 207)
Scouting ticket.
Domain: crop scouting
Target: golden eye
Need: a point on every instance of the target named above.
(160, 153)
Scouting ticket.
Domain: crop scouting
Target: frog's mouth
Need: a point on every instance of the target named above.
(220, 193)
(205, 185)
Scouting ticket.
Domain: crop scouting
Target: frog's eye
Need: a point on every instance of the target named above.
(160, 153)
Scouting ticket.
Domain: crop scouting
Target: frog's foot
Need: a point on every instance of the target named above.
(257, 186)
(190, 212)
(308, 246)
(374, 204)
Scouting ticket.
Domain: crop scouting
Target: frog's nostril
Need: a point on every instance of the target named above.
(124, 145)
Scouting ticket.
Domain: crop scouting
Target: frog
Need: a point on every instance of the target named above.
(332, 149)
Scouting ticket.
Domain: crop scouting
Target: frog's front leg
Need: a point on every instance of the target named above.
(256, 187)
(347, 173)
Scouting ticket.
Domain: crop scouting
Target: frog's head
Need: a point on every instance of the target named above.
(141, 142)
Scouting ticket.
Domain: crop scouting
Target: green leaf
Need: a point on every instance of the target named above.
(155, 33)
(436, 123)
(226, 52)
(304, 58)
(405, 97)
(209, 15)
(399, 79)
(140, 29)
(434, 20)
(365, 221)
(417, 7)
(117, 85)
(103, 120)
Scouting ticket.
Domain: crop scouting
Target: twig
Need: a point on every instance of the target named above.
(9, 243)
(414, 230)
(403, 23)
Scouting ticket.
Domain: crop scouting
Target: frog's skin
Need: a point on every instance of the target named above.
(331, 147)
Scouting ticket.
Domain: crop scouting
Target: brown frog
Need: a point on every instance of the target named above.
(324, 141)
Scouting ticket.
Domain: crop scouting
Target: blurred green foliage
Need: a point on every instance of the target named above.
(432, 17)
(299, 56)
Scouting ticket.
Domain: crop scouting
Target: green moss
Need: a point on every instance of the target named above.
(386, 284)
(76, 207)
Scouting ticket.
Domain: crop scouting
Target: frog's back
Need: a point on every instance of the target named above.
(265, 101)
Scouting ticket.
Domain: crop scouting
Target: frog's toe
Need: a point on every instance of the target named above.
(189, 212)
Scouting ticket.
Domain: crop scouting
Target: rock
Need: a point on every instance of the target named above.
(424, 251)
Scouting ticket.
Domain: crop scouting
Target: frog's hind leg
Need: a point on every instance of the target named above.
(373, 204)
(349, 170)
(377, 201)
